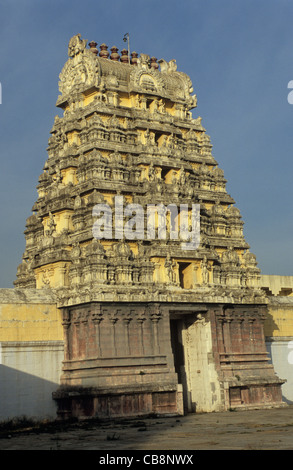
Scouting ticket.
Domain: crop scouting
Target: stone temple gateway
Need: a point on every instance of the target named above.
(149, 327)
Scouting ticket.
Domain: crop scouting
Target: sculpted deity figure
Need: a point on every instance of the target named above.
(76, 45)
(161, 106)
(172, 66)
(171, 269)
(205, 271)
(51, 224)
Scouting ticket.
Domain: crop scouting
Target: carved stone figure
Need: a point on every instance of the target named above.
(76, 45)
(205, 271)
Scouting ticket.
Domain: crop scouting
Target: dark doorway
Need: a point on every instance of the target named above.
(182, 274)
(177, 347)
(176, 327)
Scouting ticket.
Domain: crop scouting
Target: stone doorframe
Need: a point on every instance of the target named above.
(192, 346)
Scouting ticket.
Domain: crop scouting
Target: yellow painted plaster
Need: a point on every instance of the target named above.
(52, 275)
(30, 322)
(90, 98)
(69, 176)
(73, 138)
(279, 321)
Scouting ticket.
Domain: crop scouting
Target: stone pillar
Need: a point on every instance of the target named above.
(127, 318)
(66, 323)
(236, 332)
(155, 315)
(97, 318)
(141, 318)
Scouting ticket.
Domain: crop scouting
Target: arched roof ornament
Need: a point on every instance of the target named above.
(81, 71)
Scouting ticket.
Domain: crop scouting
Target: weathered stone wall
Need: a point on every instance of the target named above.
(29, 373)
(138, 342)
(119, 354)
(279, 336)
(280, 351)
(247, 379)
(277, 285)
(29, 315)
(31, 353)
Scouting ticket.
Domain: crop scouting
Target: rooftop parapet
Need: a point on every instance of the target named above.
(88, 68)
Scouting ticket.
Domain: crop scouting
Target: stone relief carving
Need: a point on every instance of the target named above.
(81, 70)
(76, 45)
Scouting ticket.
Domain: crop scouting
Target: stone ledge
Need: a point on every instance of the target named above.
(75, 391)
(115, 361)
(32, 344)
(27, 296)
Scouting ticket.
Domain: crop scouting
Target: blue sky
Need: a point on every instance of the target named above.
(239, 55)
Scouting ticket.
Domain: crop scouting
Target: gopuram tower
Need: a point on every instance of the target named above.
(135, 233)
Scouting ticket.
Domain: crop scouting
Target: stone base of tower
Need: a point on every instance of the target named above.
(104, 404)
(247, 379)
(134, 359)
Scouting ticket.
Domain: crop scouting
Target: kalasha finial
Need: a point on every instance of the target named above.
(93, 47)
(114, 54)
(124, 56)
(104, 53)
(134, 57)
(154, 64)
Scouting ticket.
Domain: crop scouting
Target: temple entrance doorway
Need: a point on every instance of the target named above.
(192, 348)
(179, 324)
